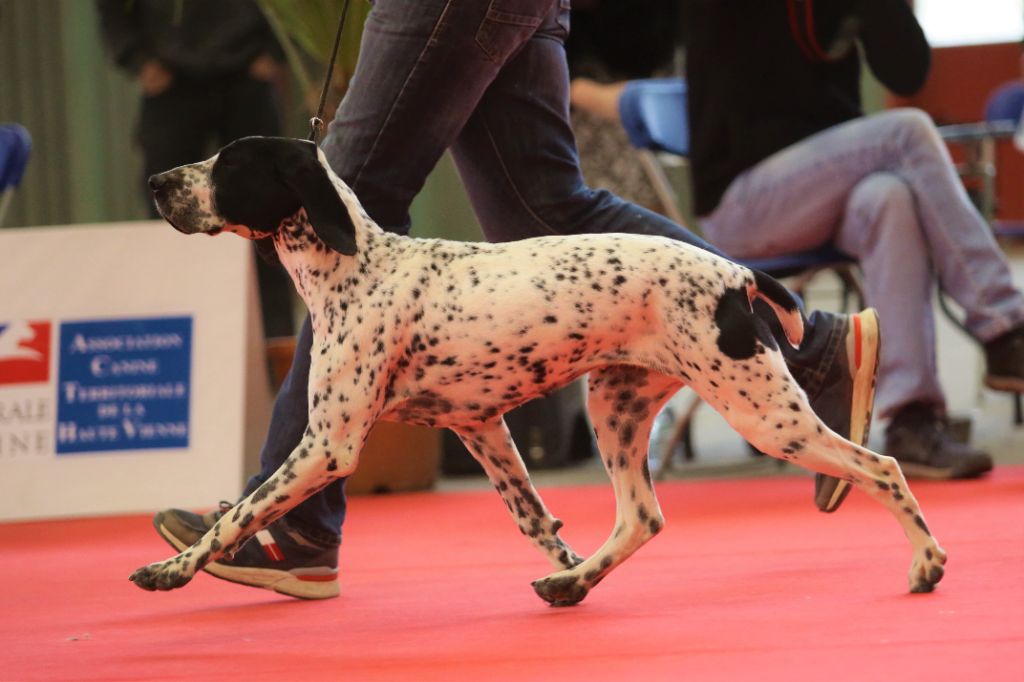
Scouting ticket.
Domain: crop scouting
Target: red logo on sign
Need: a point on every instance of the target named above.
(24, 352)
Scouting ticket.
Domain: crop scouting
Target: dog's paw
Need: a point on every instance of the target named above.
(561, 589)
(927, 569)
(166, 575)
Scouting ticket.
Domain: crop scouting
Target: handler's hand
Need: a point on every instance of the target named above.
(264, 68)
(154, 78)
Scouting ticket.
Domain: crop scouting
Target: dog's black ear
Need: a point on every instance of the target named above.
(327, 212)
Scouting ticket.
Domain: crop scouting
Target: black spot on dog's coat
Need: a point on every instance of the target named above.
(737, 333)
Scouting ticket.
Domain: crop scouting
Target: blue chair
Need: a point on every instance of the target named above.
(15, 149)
(653, 112)
(1003, 110)
(1006, 103)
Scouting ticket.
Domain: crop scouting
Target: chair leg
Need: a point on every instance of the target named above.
(1018, 411)
(689, 451)
(661, 185)
(852, 287)
(682, 434)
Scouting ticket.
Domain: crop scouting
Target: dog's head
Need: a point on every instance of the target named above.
(250, 186)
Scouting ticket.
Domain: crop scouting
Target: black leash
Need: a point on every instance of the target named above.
(316, 124)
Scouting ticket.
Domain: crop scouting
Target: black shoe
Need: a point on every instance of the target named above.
(278, 558)
(920, 439)
(1004, 359)
(846, 397)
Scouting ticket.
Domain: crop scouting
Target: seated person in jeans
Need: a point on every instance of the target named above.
(783, 161)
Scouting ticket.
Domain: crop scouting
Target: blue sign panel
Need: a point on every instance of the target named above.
(124, 384)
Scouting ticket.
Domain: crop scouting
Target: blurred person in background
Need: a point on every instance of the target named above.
(208, 72)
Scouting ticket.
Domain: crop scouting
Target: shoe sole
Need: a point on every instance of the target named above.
(1005, 384)
(862, 351)
(317, 586)
(925, 472)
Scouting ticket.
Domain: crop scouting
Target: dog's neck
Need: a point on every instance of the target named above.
(318, 271)
(309, 260)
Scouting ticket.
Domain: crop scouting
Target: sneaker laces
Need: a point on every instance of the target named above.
(211, 517)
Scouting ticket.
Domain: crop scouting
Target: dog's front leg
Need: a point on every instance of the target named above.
(491, 444)
(315, 463)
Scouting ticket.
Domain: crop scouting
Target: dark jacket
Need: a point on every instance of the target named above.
(193, 38)
(764, 74)
(628, 38)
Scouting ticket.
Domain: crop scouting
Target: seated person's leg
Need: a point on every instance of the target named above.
(970, 266)
(797, 198)
(881, 228)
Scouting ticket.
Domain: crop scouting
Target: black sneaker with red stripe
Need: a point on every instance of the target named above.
(279, 558)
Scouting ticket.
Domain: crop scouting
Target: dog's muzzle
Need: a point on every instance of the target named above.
(175, 196)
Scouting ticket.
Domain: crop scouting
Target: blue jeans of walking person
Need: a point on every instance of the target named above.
(883, 189)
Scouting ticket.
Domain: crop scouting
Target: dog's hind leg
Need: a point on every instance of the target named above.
(491, 444)
(881, 478)
(623, 402)
(785, 427)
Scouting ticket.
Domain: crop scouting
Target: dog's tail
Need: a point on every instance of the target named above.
(781, 301)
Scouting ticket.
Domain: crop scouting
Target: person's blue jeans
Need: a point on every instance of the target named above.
(488, 80)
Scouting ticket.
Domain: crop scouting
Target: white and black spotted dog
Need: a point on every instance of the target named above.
(451, 334)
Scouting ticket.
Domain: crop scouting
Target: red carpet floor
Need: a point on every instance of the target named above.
(747, 581)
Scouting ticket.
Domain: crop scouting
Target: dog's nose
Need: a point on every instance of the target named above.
(157, 182)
